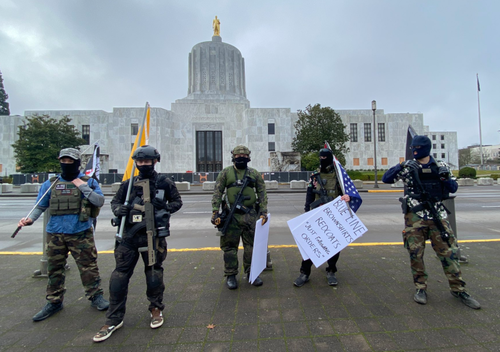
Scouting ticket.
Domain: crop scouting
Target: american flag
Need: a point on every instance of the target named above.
(348, 186)
(346, 183)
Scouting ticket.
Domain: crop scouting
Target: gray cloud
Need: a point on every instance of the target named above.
(409, 56)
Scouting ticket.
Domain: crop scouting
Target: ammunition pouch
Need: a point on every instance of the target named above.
(162, 222)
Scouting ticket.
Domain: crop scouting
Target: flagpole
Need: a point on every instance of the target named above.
(479, 114)
(119, 235)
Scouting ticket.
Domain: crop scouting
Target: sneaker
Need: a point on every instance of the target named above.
(332, 279)
(466, 299)
(156, 318)
(231, 282)
(106, 331)
(257, 282)
(99, 302)
(48, 310)
(301, 280)
(420, 296)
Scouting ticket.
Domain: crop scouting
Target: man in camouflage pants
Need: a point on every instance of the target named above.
(70, 201)
(242, 224)
(427, 183)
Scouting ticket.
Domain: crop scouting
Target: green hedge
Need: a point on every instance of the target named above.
(467, 172)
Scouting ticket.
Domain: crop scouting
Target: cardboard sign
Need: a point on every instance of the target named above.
(323, 232)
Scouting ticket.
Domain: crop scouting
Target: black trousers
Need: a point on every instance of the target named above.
(126, 257)
(305, 268)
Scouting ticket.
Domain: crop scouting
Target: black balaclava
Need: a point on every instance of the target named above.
(70, 171)
(325, 163)
(425, 147)
(146, 171)
(241, 162)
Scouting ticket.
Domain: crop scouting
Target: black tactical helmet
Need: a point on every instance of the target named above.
(146, 152)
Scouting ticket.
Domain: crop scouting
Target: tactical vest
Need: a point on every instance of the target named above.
(66, 199)
(233, 188)
(330, 184)
(429, 177)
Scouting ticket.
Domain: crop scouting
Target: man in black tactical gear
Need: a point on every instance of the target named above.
(427, 183)
(166, 199)
(331, 184)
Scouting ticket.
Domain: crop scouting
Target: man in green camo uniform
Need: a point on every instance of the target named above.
(427, 183)
(72, 200)
(242, 224)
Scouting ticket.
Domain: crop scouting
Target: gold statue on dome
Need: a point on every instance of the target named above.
(216, 27)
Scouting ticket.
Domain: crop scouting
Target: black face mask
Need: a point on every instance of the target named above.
(324, 163)
(146, 171)
(70, 171)
(241, 162)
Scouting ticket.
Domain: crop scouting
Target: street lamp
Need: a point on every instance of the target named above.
(374, 107)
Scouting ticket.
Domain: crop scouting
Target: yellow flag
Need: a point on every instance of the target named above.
(143, 141)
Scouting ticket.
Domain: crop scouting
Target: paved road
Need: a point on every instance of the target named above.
(477, 216)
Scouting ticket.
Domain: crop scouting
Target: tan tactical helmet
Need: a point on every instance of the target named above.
(70, 153)
(240, 149)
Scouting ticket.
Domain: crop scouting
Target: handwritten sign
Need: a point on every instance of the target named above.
(325, 231)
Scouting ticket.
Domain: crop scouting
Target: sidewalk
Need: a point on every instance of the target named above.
(371, 310)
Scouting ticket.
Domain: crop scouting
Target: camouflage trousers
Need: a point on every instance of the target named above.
(126, 257)
(242, 226)
(82, 248)
(416, 232)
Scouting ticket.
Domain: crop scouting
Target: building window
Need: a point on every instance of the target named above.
(384, 161)
(433, 137)
(270, 128)
(434, 146)
(443, 155)
(354, 133)
(368, 132)
(442, 137)
(272, 147)
(134, 129)
(381, 132)
(442, 146)
(86, 133)
(355, 161)
(435, 155)
(370, 161)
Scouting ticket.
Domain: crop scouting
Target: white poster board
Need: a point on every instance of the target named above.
(323, 232)
(259, 254)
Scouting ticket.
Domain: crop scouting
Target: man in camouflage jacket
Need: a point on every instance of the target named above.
(427, 183)
(242, 224)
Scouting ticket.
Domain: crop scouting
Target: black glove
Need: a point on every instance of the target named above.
(215, 220)
(124, 210)
(159, 204)
(411, 164)
(444, 173)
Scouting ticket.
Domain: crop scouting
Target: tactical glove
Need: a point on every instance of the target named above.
(215, 218)
(264, 218)
(124, 210)
(159, 204)
(444, 173)
(411, 164)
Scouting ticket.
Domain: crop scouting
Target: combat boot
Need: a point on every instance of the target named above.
(257, 282)
(48, 310)
(466, 299)
(231, 282)
(420, 296)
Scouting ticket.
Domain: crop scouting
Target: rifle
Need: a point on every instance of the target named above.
(34, 207)
(428, 204)
(149, 209)
(323, 193)
(238, 204)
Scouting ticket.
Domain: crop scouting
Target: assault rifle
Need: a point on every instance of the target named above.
(323, 193)
(428, 204)
(237, 205)
(149, 209)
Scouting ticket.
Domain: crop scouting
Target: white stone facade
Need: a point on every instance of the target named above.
(216, 101)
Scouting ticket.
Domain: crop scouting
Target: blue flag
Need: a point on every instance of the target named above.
(348, 186)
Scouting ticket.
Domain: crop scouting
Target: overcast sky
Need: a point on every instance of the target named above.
(408, 55)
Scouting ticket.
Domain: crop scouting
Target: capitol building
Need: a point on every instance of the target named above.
(198, 132)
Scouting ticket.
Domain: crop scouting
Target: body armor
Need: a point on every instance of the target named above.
(233, 187)
(434, 189)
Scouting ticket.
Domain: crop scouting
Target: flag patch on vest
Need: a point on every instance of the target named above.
(137, 218)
